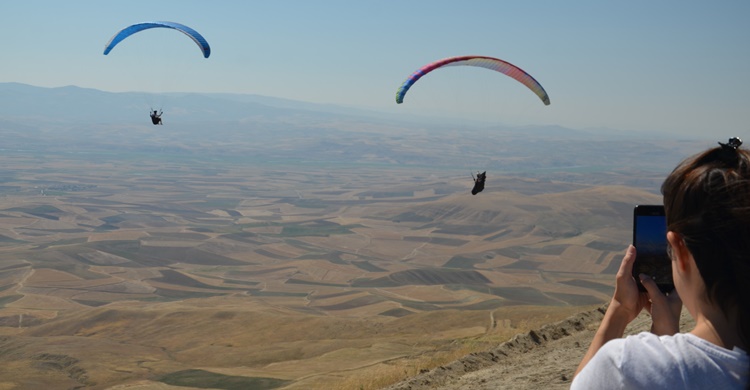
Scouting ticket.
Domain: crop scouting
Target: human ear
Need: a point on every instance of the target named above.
(680, 253)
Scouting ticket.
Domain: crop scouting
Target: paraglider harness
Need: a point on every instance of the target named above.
(478, 182)
(156, 118)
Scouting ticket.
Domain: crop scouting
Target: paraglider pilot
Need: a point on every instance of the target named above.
(478, 182)
(156, 117)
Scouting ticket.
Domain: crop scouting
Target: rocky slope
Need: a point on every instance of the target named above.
(544, 358)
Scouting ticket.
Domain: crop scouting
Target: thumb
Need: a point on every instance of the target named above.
(626, 267)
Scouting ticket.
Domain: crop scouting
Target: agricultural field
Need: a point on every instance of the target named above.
(227, 274)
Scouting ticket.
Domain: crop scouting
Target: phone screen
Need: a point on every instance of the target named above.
(650, 241)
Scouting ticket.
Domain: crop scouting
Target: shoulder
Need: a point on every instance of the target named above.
(645, 360)
(638, 361)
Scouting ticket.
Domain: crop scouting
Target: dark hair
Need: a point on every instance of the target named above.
(707, 202)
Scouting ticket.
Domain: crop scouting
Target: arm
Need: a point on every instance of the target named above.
(625, 305)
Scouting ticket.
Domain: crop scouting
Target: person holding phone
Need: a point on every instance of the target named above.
(707, 207)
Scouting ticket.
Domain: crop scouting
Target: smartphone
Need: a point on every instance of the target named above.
(650, 242)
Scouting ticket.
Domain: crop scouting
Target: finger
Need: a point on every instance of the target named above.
(651, 287)
(626, 267)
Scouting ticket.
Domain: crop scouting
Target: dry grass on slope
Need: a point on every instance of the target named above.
(543, 358)
(459, 355)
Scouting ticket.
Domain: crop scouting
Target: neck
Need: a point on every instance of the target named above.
(712, 325)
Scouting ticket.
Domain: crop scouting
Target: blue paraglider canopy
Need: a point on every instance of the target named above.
(130, 30)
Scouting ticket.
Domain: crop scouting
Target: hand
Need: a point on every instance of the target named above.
(627, 301)
(664, 308)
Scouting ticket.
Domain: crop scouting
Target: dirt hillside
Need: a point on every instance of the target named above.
(544, 358)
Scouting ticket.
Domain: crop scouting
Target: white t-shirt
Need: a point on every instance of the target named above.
(647, 361)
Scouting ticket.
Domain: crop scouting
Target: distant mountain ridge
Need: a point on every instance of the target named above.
(27, 103)
(71, 103)
(23, 102)
(260, 128)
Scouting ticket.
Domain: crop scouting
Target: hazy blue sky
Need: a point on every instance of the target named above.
(679, 66)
